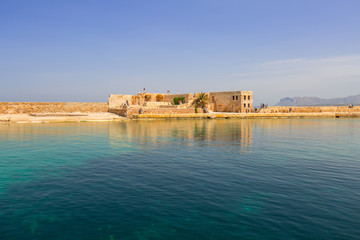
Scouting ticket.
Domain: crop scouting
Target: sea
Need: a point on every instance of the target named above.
(181, 179)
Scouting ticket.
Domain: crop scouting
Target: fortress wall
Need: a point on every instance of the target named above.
(156, 104)
(164, 111)
(153, 97)
(320, 109)
(230, 101)
(136, 109)
(170, 97)
(52, 107)
(223, 101)
(116, 100)
(133, 111)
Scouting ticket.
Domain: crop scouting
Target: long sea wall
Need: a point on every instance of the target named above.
(164, 110)
(52, 107)
(322, 109)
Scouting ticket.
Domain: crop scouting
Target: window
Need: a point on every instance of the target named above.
(244, 104)
(213, 98)
(249, 97)
(245, 97)
(237, 97)
(248, 104)
(233, 97)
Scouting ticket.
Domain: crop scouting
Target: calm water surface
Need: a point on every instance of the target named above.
(185, 179)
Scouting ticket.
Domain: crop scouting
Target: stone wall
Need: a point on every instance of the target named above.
(116, 100)
(170, 97)
(234, 101)
(51, 107)
(156, 104)
(131, 110)
(322, 109)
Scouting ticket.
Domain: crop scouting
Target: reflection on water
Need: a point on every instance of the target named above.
(44, 150)
(181, 179)
(187, 132)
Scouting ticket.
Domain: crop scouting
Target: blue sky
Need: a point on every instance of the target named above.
(85, 50)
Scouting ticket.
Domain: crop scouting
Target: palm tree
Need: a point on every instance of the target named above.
(201, 100)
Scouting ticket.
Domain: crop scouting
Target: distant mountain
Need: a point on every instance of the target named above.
(314, 101)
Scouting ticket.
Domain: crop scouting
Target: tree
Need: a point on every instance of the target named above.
(201, 100)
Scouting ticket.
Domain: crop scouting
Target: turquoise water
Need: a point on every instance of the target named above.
(181, 179)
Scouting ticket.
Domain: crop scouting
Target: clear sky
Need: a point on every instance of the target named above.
(83, 50)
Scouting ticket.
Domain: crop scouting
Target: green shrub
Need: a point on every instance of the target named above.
(177, 99)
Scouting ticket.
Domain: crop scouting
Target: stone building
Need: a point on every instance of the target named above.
(157, 103)
(232, 101)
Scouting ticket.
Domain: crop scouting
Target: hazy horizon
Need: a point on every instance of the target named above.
(85, 50)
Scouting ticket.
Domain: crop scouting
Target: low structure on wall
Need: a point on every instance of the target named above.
(157, 103)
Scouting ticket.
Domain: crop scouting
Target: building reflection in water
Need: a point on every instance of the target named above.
(163, 133)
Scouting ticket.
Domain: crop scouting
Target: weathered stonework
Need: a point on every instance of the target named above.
(234, 101)
(312, 109)
(134, 110)
(52, 107)
(116, 100)
(188, 98)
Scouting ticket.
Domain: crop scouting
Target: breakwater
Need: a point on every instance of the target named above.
(27, 112)
(52, 107)
(311, 109)
(248, 115)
